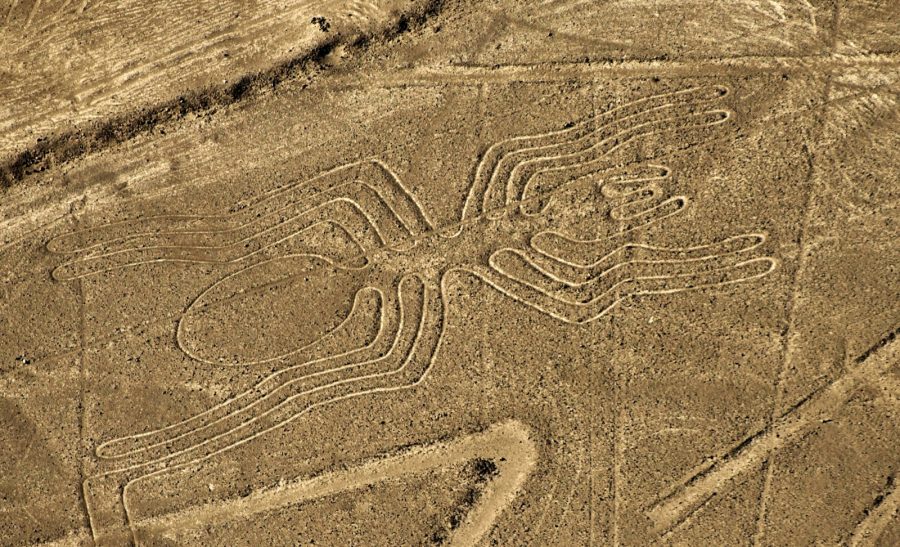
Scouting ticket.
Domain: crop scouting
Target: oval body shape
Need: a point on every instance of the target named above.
(268, 311)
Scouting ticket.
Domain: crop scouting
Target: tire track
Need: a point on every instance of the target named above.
(54, 150)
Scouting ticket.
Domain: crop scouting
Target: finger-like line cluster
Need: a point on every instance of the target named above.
(413, 220)
(594, 254)
(283, 407)
(117, 260)
(487, 169)
(640, 198)
(397, 206)
(92, 264)
(411, 373)
(574, 277)
(209, 224)
(636, 198)
(596, 158)
(141, 442)
(270, 204)
(591, 308)
(585, 150)
(568, 145)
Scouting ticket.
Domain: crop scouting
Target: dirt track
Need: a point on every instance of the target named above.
(407, 272)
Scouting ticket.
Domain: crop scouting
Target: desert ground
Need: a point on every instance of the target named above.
(459, 272)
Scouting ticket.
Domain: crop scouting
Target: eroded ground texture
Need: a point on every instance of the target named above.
(400, 272)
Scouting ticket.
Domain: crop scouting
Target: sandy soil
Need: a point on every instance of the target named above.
(416, 272)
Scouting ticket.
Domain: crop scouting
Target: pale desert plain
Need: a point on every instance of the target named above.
(459, 272)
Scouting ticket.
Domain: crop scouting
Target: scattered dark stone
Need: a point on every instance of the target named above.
(470, 497)
(240, 88)
(323, 23)
(438, 537)
(484, 468)
(402, 24)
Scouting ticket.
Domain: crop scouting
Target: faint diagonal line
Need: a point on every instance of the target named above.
(769, 462)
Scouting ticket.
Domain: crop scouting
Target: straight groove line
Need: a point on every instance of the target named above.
(770, 461)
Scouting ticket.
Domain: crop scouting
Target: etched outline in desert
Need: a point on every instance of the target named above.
(424, 272)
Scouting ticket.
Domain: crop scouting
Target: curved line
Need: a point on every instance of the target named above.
(773, 263)
(760, 239)
(473, 190)
(589, 137)
(264, 414)
(580, 305)
(619, 144)
(617, 265)
(255, 220)
(179, 333)
(421, 379)
(236, 244)
(252, 390)
(626, 177)
(680, 199)
(276, 193)
(412, 198)
(278, 389)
